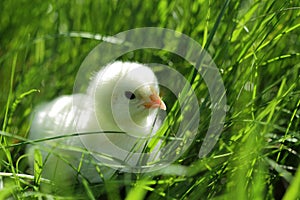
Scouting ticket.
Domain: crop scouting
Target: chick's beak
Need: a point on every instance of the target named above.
(155, 102)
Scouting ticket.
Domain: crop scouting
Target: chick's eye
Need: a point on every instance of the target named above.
(129, 95)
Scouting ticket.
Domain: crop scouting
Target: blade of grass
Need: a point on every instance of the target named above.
(292, 192)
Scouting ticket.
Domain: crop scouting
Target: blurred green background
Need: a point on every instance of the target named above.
(255, 44)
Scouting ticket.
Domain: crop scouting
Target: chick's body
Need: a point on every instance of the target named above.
(122, 97)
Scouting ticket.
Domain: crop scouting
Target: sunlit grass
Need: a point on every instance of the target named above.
(255, 45)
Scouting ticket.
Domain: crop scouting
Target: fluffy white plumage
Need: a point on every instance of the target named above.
(122, 97)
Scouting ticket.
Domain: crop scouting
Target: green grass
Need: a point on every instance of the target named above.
(256, 46)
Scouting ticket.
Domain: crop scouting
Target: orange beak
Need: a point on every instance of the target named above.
(155, 102)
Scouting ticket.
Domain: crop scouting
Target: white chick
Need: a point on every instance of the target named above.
(121, 97)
